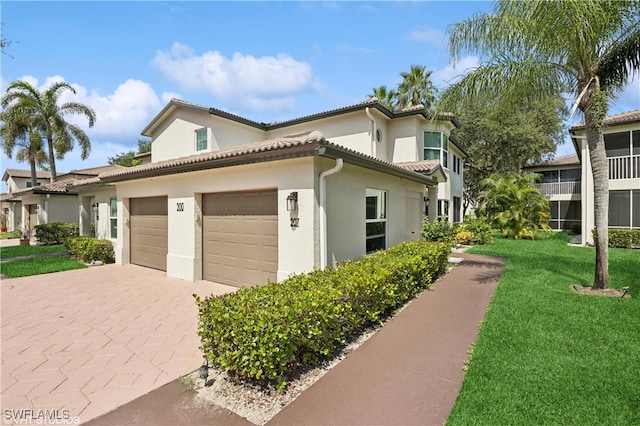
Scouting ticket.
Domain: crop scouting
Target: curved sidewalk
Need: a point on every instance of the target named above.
(408, 373)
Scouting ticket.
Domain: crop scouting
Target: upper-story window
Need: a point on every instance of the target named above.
(436, 147)
(201, 140)
(563, 175)
(29, 184)
(622, 144)
(457, 164)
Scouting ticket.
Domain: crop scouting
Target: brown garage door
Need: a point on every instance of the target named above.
(149, 230)
(240, 237)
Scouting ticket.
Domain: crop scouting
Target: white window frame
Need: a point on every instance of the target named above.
(381, 216)
(443, 148)
(206, 140)
(113, 218)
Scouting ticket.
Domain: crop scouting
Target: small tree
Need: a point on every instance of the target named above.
(515, 206)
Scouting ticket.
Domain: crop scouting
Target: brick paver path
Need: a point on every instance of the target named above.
(84, 342)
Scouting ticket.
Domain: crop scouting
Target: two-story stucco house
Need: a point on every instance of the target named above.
(568, 181)
(231, 200)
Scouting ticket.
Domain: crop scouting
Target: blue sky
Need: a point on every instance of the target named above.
(266, 61)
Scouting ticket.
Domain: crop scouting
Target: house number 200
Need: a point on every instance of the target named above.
(180, 207)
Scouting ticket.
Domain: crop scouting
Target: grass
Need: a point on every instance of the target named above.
(37, 266)
(548, 356)
(11, 234)
(6, 252)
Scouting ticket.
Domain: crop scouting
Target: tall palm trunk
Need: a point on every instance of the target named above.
(34, 176)
(600, 170)
(52, 160)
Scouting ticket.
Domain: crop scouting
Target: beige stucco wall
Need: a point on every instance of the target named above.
(86, 214)
(346, 196)
(353, 131)
(176, 136)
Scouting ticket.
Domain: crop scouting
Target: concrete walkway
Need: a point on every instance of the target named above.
(84, 342)
(408, 373)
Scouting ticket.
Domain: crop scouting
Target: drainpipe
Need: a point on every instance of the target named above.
(373, 133)
(323, 210)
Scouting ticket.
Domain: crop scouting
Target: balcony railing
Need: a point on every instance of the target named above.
(559, 188)
(626, 167)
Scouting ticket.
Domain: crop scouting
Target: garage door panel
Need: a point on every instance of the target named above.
(240, 237)
(149, 232)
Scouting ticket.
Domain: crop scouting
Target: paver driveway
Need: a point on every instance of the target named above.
(86, 341)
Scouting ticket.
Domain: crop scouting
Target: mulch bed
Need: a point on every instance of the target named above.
(607, 292)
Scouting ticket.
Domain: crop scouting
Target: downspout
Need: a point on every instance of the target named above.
(373, 133)
(323, 210)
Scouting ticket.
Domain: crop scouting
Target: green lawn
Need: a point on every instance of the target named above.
(13, 251)
(548, 356)
(37, 266)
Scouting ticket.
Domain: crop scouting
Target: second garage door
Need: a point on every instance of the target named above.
(240, 237)
(149, 232)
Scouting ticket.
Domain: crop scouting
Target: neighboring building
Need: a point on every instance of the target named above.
(16, 180)
(568, 181)
(58, 201)
(235, 201)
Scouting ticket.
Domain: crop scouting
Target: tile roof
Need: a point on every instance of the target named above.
(423, 166)
(26, 173)
(622, 118)
(565, 160)
(306, 144)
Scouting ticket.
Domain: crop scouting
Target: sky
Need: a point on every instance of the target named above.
(266, 61)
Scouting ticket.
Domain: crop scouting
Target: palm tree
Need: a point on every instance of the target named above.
(16, 132)
(385, 96)
(48, 118)
(514, 205)
(416, 88)
(589, 48)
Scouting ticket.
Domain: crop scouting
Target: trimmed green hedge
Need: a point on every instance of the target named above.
(270, 332)
(622, 238)
(88, 249)
(56, 232)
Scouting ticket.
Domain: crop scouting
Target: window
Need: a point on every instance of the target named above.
(376, 220)
(624, 208)
(201, 139)
(456, 209)
(436, 147)
(113, 217)
(457, 164)
(443, 208)
(564, 214)
(618, 144)
(29, 184)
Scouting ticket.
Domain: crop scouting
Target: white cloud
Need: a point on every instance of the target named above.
(442, 78)
(120, 115)
(433, 36)
(265, 83)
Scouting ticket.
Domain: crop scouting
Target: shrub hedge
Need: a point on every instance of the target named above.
(622, 238)
(270, 332)
(88, 249)
(480, 228)
(56, 232)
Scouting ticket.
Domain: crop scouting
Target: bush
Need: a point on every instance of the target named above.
(89, 249)
(480, 228)
(464, 237)
(56, 232)
(269, 333)
(622, 238)
(440, 230)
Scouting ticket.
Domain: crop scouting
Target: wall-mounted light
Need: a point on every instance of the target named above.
(426, 201)
(95, 207)
(292, 202)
